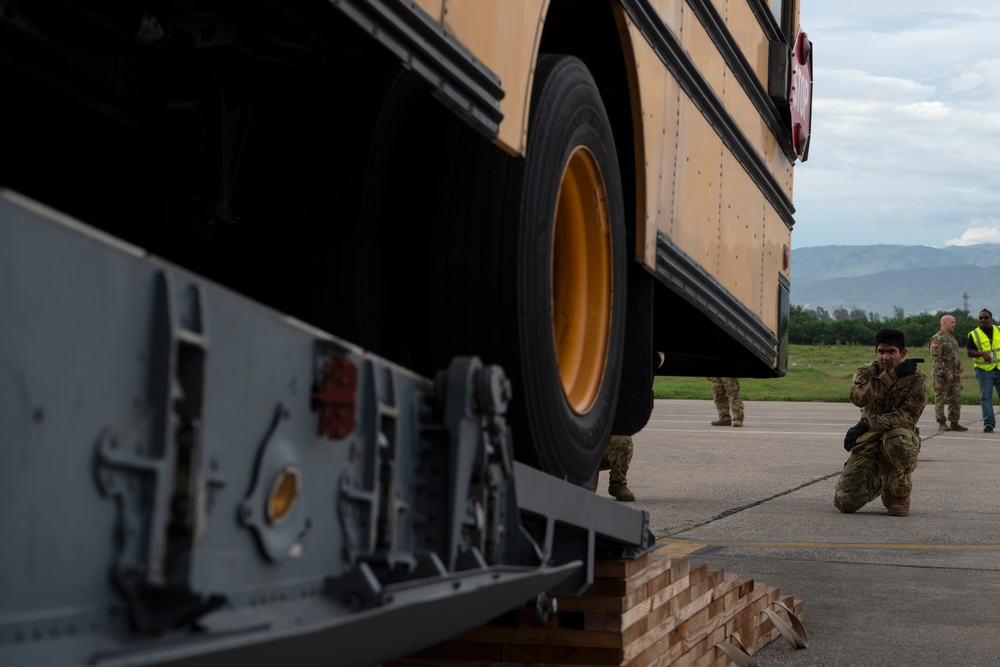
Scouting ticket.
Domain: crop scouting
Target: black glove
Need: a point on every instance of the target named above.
(854, 433)
(907, 367)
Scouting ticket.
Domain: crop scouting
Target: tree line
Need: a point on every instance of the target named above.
(844, 327)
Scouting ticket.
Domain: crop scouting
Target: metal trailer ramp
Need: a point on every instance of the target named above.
(195, 479)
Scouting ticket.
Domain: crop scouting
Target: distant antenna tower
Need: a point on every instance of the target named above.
(965, 300)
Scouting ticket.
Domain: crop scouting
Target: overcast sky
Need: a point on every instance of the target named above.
(905, 144)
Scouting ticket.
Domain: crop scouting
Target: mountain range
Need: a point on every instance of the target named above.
(881, 278)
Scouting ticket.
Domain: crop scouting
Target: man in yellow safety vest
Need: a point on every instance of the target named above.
(983, 346)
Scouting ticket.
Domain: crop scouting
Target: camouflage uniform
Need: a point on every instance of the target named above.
(944, 353)
(884, 457)
(726, 392)
(617, 457)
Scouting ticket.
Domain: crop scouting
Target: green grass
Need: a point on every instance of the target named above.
(815, 373)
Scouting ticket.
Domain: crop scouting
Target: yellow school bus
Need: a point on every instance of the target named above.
(562, 187)
(683, 119)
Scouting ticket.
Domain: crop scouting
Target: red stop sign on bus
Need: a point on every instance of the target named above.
(800, 95)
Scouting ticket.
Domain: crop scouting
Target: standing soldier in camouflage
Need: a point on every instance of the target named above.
(884, 445)
(947, 375)
(617, 458)
(726, 392)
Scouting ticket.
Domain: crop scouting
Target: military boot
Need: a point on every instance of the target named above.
(619, 452)
(899, 506)
(622, 492)
(896, 506)
(723, 421)
(942, 426)
(955, 426)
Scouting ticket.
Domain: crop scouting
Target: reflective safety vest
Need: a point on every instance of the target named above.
(982, 344)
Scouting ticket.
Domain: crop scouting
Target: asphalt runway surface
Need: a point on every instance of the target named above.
(878, 590)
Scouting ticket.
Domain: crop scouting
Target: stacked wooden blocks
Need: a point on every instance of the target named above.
(654, 610)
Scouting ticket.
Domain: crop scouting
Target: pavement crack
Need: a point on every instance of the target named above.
(734, 510)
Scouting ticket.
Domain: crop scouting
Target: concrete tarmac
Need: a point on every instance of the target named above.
(878, 590)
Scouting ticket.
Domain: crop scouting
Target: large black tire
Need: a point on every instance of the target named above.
(571, 256)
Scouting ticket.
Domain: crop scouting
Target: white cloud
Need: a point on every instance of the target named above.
(983, 232)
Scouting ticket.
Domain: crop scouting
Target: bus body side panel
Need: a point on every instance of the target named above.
(505, 37)
(698, 192)
(775, 242)
(693, 221)
(742, 216)
(747, 33)
(654, 95)
(698, 44)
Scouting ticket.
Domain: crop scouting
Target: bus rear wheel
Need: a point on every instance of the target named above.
(464, 250)
(571, 256)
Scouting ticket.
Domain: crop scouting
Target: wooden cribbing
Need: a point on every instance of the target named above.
(655, 610)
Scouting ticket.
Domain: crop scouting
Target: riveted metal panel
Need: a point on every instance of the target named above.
(748, 35)
(697, 42)
(694, 224)
(741, 228)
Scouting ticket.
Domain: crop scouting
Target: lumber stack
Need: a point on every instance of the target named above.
(654, 610)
